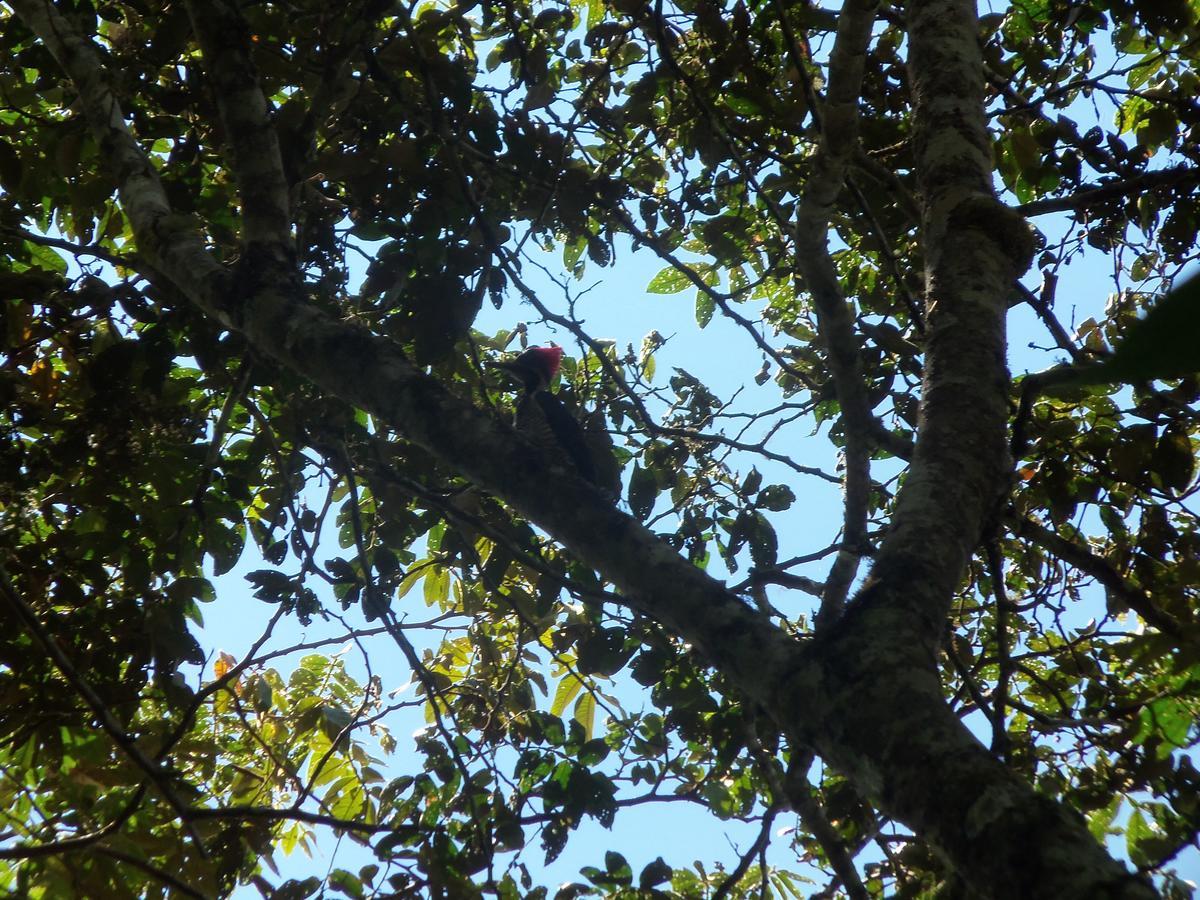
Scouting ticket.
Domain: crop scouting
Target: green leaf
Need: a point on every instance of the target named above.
(595, 12)
(668, 281)
(604, 652)
(271, 586)
(195, 587)
(568, 688)
(262, 695)
(297, 890)
(573, 252)
(751, 483)
(1174, 459)
(594, 752)
(347, 883)
(369, 231)
(333, 720)
(764, 545)
(419, 571)
(1100, 821)
(618, 868)
(643, 491)
(509, 835)
(585, 713)
(705, 307)
(46, 258)
(1168, 719)
(1143, 266)
(743, 106)
(437, 587)
(655, 874)
(1162, 345)
(1137, 832)
(1025, 149)
(224, 544)
(776, 497)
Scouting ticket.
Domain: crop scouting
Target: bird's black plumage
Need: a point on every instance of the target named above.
(567, 433)
(544, 419)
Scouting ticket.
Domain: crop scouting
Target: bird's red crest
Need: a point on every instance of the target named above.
(548, 359)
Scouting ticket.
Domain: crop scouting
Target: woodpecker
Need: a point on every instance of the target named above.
(545, 420)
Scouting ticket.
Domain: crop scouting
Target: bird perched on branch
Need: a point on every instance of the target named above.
(545, 420)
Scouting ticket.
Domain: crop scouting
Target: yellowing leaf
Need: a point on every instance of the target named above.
(223, 664)
(44, 380)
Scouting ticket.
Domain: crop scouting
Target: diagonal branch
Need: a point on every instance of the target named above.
(1042, 304)
(1104, 572)
(177, 886)
(812, 814)
(756, 848)
(81, 840)
(166, 241)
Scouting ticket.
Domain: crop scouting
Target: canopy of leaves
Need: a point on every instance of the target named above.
(428, 155)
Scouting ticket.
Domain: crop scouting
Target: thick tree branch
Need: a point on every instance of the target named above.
(254, 145)
(975, 248)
